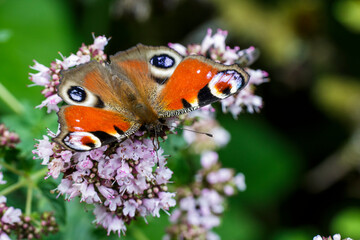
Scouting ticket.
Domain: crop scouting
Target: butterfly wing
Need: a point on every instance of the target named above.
(174, 85)
(139, 86)
(198, 81)
(137, 65)
(95, 115)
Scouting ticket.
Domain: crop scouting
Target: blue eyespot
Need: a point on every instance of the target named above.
(162, 61)
(77, 94)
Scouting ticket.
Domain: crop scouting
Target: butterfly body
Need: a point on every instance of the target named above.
(138, 88)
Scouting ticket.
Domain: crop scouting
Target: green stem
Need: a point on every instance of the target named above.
(13, 187)
(10, 100)
(29, 199)
(11, 168)
(41, 173)
(26, 181)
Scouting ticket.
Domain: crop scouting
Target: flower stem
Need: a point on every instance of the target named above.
(13, 187)
(35, 177)
(29, 199)
(10, 100)
(25, 181)
(11, 168)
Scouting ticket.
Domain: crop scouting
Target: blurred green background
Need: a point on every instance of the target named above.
(300, 155)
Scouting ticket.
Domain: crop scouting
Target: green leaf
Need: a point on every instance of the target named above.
(36, 29)
(79, 222)
(293, 234)
(236, 216)
(270, 163)
(5, 35)
(32, 124)
(153, 230)
(57, 204)
(347, 223)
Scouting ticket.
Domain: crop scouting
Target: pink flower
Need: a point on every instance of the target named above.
(4, 236)
(210, 221)
(219, 40)
(194, 218)
(86, 164)
(44, 150)
(113, 203)
(208, 159)
(152, 206)
(51, 103)
(187, 203)
(66, 155)
(229, 190)
(100, 214)
(130, 207)
(175, 215)
(250, 54)
(64, 186)
(71, 61)
(167, 200)
(42, 78)
(145, 168)
(212, 236)
(179, 48)
(207, 42)
(239, 181)
(115, 224)
(108, 193)
(123, 172)
(163, 174)
(55, 167)
(88, 193)
(107, 168)
(100, 42)
(11, 215)
(2, 181)
(220, 176)
(257, 77)
(97, 153)
(212, 199)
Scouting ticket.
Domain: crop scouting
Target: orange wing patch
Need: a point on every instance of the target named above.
(94, 82)
(133, 68)
(189, 77)
(89, 119)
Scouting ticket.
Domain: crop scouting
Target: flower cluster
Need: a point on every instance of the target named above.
(214, 46)
(201, 204)
(9, 217)
(49, 77)
(7, 138)
(335, 237)
(123, 182)
(12, 221)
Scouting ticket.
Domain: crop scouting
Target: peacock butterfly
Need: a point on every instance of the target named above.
(138, 88)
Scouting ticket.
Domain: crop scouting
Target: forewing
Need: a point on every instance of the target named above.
(197, 82)
(96, 115)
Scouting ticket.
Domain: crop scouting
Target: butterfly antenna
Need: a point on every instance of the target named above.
(190, 130)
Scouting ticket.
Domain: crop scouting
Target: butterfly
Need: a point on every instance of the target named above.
(140, 87)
